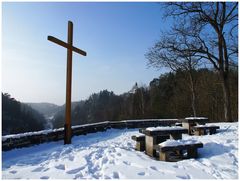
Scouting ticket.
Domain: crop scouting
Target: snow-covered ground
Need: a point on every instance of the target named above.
(111, 155)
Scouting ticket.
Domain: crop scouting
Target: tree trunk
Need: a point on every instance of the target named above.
(226, 97)
(193, 93)
(142, 102)
(194, 103)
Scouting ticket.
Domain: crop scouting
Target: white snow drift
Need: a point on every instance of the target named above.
(111, 155)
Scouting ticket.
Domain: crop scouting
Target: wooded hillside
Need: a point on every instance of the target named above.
(18, 117)
(166, 97)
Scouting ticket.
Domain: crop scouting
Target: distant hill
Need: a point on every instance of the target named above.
(54, 114)
(47, 109)
(18, 117)
(59, 118)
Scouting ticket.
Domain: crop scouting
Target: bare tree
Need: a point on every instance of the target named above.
(211, 31)
(172, 52)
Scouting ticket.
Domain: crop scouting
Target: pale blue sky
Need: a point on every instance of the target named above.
(115, 36)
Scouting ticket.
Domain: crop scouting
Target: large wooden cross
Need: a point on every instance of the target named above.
(70, 49)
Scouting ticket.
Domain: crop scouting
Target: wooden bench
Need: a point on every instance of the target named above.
(140, 142)
(205, 129)
(172, 150)
(154, 136)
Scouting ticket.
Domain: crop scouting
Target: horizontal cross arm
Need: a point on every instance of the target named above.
(62, 43)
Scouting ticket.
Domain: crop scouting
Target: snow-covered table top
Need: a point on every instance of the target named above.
(158, 131)
(195, 120)
(164, 128)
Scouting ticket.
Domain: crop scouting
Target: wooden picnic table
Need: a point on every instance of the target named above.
(205, 129)
(154, 136)
(190, 122)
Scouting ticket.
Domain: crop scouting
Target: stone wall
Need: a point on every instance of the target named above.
(28, 139)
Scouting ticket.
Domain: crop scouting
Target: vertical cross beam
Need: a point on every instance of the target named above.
(70, 49)
(68, 130)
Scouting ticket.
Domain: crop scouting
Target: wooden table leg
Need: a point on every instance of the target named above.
(149, 142)
(140, 145)
(192, 153)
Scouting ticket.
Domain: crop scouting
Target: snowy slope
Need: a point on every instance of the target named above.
(111, 154)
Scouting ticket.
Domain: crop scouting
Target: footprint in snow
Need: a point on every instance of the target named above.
(111, 149)
(115, 175)
(126, 163)
(13, 171)
(71, 158)
(141, 173)
(119, 154)
(106, 177)
(175, 166)
(228, 141)
(60, 167)
(112, 161)
(129, 144)
(74, 171)
(183, 176)
(153, 168)
(104, 160)
(44, 177)
(39, 169)
(46, 169)
(78, 176)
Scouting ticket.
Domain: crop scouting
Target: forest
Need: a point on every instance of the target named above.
(165, 97)
(18, 117)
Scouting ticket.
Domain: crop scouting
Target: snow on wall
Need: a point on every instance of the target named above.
(31, 138)
(193, 118)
